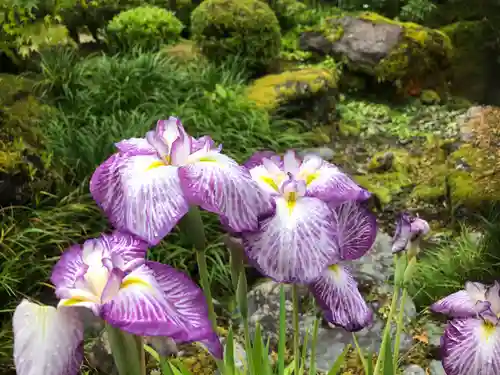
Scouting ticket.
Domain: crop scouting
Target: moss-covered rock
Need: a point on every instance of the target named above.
(310, 94)
(469, 63)
(400, 52)
(248, 28)
(388, 174)
(430, 97)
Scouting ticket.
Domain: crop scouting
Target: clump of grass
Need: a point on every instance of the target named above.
(445, 269)
(109, 98)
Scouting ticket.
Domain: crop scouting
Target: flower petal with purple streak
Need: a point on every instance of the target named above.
(136, 146)
(140, 195)
(127, 251)
(69, 268)
(157, 300)
(330, 184)
(218, 184)
(336, 292)
(408, 229)
(47, 341)
(471, 346)
(296, 244)
(256, 159)
(356, 229)
(464, 303)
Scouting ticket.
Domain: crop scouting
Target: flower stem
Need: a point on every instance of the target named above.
(127, 351)
(192, 226)
(296, 333)
(387, 330)
(399, 327)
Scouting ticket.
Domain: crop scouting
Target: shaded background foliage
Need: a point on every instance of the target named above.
(77, 76)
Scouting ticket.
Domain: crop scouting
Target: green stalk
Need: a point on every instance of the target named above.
(127, 351)
(192, 226)
(296, 334)
(399, 328)
(398, 265)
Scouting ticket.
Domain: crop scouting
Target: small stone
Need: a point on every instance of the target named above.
(436, 368)
(323, 152)
(414, 370)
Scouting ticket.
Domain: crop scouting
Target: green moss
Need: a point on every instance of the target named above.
(248, 28)
(185, 50)
(272, 90)
(430, 97)
(384, 185)
(12, 86)
(399, 161)
(420, 51)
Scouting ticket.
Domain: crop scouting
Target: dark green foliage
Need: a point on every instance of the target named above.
(248, 28)
(146, 27)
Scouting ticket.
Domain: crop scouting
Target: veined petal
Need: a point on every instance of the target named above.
(69, 268)
(218, 184)
(189, 311)
(214, 346)
(356, 229)
(140, 195)
(127, 251)
(169, 130)
(256, 159)
(136, 146)
(336, 292)
(460, 305)
(330, 184)
(47, 341)
(471, 346)
(296, 244)
(291, 163)
(141, 307)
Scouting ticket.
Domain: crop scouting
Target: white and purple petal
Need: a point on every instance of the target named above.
(136, 146)
(356, 229)
(471, 346)
(461, 304)
(218, 184)
(47, 341)
(127, 251)
(256, 159)
(408, 229)
(330, 184)
(296, 244)
(157, 300)
(69, 268)
(336, 292)
(140, 195)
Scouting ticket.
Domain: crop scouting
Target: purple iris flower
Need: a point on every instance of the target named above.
(409, 230)
(110, 276)
(298, 241)
(336, 290)
(471, 341)
(148, 185)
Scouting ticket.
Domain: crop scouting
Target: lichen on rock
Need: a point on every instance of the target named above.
(399, 52)
(309, 93)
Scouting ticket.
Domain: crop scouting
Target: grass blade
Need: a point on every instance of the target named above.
(339, 361)
(229, 353)
(312, 363)
(282, 333)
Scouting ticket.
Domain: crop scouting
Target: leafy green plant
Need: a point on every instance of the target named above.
(147, 27)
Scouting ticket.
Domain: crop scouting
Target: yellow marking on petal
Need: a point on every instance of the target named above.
(73, 301)
(487, 330)
(311, 177)
(156, 164)
(334, 268)
(270, 181)
(207, 159)
(134, 281)
(291, 201)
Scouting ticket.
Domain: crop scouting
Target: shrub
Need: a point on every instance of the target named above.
(147, 27)
(248, 28)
